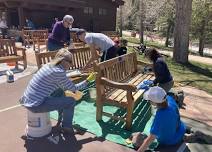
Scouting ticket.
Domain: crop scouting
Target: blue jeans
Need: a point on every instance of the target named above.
(63, 104)
(53, 46)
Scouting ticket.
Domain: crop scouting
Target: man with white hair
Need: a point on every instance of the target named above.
(60, 34)
(167, 127)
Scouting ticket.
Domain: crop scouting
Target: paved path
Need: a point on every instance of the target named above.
(200, 59)
(205, 60)
(196, 58)
(193, 47)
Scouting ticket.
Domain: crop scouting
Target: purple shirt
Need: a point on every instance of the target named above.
(59, 34)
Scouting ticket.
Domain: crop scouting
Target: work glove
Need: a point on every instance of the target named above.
(148, 82)
(91, 77)
(142, 86)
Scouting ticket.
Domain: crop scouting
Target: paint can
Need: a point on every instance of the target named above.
(10, 76)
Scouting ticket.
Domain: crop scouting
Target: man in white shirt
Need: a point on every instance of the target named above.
(99, 44)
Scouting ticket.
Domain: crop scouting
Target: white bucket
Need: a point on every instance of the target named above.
(38, 125)
(92, 92)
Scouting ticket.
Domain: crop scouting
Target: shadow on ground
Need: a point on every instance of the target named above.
(57, 142)
(198, 69)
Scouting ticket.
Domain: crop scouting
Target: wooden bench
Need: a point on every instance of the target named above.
(116, 82)
(39, 37)
(80, 59)
(111, 34)
(79, 44)
(27, 37)
(80, 56)
(9, 52)
(74, 37)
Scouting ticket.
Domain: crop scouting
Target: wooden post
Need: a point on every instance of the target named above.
(21, 17)
(130, 107)
(99, 105)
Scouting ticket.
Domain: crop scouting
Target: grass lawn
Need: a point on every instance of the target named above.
(193, 74)
(148, 43)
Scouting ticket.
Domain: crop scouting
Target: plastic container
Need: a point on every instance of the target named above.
(10, 76)
(38, 125)
(92, 93)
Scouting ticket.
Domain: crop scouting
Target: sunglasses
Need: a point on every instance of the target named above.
(69, 23)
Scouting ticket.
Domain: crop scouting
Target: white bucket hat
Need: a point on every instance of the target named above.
(155, 94)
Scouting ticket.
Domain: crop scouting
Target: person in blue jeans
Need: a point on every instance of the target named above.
(167, 127)
(45, 92)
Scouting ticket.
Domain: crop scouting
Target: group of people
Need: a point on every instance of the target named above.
(101, 45)
(45, 92)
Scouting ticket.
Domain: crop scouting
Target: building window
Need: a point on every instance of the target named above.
(88, 10)
(102, 11)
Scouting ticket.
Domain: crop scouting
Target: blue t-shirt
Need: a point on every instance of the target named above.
(167, 126)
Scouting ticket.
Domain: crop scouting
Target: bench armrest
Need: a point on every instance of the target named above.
(21, 49)
(142, 63)
(118, 85)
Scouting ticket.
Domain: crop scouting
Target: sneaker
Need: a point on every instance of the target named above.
(68, 130)
(203, 137)
(189, 138)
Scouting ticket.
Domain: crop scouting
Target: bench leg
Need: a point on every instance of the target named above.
(99, 110)
(16, 64)
(129, 117)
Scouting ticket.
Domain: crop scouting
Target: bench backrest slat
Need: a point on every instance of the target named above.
(7, 47)
(40, 34)
(118, 69)
(80, 57)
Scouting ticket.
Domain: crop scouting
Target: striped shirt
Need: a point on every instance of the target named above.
(48, 79)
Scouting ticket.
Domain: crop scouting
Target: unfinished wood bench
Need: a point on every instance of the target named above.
(39, 37)
(80, 59)
(111, 34)
(27, 37)
(116, 82)
(9, 52)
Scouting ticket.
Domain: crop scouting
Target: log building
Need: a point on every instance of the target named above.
(93, 15)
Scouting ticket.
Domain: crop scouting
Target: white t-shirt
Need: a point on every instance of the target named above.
(3, 24)
(100, 40)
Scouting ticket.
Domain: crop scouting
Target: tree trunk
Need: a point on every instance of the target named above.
(121, 21)
(142, 16)
(168, 34)
(202, 38)
(201, 45)
(181, 30)
(203, 29)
